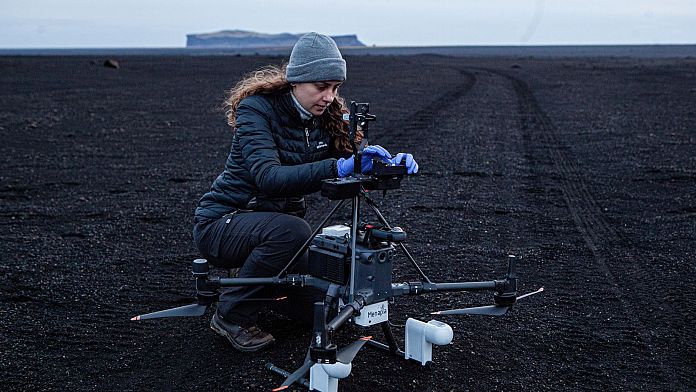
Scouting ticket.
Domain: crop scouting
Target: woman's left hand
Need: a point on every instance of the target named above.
(374, 152)
(411, 164)
(346, 166)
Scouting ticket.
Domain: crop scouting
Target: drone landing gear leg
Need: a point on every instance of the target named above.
(391, 347)
(321, 359)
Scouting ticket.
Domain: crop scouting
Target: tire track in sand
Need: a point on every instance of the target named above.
(426, 116)
(598, 234)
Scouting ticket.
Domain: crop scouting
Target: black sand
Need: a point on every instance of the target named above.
(584, 168)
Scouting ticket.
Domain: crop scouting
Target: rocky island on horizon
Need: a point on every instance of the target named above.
(240, 39)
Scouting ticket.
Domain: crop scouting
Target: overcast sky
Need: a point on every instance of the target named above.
(165, 23)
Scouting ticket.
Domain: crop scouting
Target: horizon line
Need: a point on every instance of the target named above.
(349, 47)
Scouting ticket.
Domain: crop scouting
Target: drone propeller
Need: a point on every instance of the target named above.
(297, 374)
(262, 299)
(532, 293)
(346, 354)
(191, 310)
(489, 310)
(182, 311)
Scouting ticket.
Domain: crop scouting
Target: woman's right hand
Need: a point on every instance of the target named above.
(409, 162)
(346, 166)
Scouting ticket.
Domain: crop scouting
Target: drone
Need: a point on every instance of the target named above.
(353, 265)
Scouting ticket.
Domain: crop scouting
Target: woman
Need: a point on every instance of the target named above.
(289, 136)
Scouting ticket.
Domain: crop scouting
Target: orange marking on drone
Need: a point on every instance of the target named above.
(280, 388)
(366, 338)
(281, 298)
(136, 318)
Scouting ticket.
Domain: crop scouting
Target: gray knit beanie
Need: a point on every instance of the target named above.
(315, 57)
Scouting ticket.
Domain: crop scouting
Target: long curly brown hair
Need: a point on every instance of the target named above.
(271, 80)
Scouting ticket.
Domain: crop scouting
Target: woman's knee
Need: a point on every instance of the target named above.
(289, 229)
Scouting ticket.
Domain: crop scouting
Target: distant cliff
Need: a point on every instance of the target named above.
(239, 39)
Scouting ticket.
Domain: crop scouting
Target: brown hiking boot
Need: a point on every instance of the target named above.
(243, 339)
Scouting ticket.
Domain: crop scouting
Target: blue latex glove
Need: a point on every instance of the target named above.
(411, 164)
(346, 166)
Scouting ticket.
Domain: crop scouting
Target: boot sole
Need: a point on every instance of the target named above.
(222, 332)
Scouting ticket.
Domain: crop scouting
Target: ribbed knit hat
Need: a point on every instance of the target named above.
(315, 57)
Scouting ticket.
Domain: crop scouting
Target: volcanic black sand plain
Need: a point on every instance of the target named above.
(584, 168)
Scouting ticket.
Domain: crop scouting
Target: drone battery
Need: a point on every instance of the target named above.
(328, 265)
(337, 244)
(329, 258)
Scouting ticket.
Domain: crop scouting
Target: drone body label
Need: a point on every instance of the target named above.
(373, 314)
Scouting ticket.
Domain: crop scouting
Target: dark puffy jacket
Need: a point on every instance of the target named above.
(276, 158)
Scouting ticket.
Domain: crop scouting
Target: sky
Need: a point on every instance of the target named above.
(160, 23)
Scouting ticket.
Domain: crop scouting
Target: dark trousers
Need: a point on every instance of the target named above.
(260, 244)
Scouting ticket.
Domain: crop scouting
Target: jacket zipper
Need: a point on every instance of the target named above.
(306, 133)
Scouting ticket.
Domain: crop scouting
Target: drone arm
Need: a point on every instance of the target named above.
(287, 280)
(462, 286)
(234, 282)
(505, 289)
(417, 288)
(345, 313)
